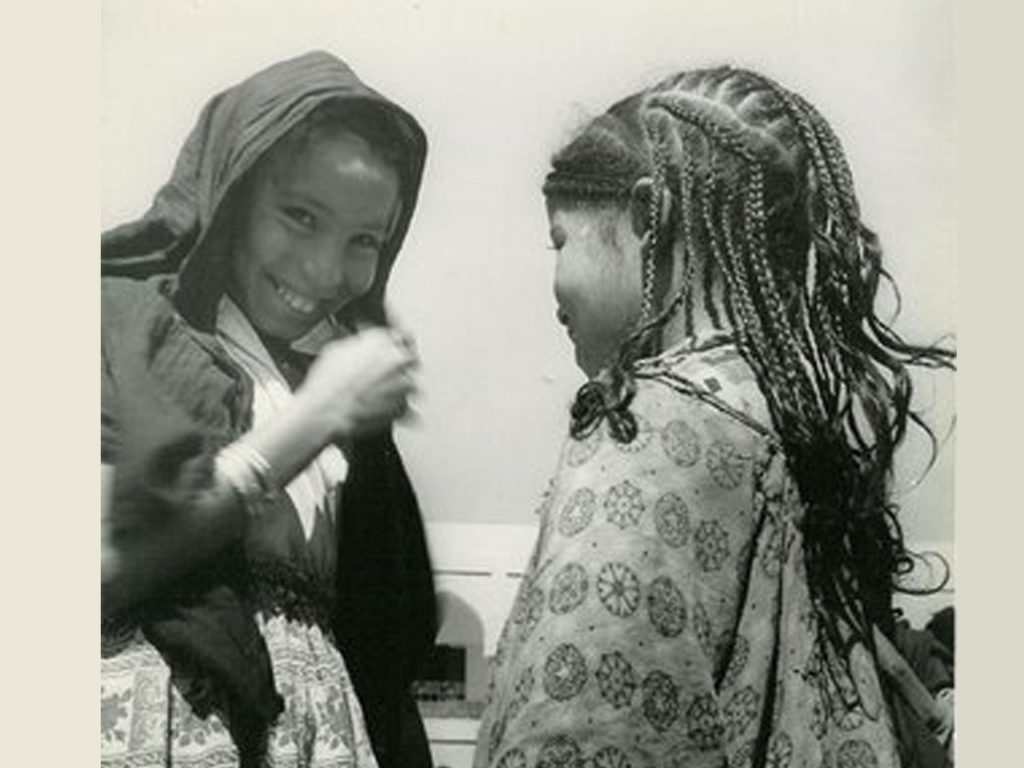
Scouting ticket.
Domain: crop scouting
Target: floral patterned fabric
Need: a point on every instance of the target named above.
(664, 617)
(145, 721)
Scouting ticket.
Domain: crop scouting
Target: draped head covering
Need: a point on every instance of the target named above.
(235, 129)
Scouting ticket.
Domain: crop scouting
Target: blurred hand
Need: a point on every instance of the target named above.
(361, 383)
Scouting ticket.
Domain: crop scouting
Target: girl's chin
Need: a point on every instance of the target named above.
(586, 364)
(286, 329)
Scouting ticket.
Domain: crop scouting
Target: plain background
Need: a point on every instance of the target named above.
(53, 84)
(498, 88)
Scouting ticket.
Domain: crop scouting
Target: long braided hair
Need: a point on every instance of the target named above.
(764, 215)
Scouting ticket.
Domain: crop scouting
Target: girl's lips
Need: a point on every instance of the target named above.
(563, 318)
(298, 303)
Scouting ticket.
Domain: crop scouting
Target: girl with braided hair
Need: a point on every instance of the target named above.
(718, 548)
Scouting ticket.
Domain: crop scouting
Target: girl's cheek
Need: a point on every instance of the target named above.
(363, 274)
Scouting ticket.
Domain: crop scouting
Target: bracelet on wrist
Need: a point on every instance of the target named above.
(245, 469)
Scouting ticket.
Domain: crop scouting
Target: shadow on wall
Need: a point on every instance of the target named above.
(454, 678)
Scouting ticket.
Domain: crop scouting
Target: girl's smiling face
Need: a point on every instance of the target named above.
(598, 283)
(312, 233)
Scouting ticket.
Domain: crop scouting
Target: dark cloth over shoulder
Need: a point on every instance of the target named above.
(386, 620)
(167, 406)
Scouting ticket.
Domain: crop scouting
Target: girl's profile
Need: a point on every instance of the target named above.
(712, 580)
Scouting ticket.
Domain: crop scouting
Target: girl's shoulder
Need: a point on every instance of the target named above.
(142, 329)
(127, 304)
(714, 386)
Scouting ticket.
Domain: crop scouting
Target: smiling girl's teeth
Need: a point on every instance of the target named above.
(295, 301)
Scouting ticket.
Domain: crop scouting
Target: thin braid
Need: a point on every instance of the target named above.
(842, 210)
(721, 250)
(745, 308)
(762, 354)
(725, 137)
(687, 234)
(688, 180)
(792, 349)
(654, 213)
(811, 142)
(835, 159)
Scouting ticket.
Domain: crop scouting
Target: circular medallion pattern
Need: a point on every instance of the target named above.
(660, 697)
(681, 443)
(856, 753)
(568, 589)
(642, 439)
(577, 512)
(712, 545)
(529, 612)
(780, 751)
(740, 712)
(704, 723)
(624, 505)
(560, 752)
(610, 757)
(565, 672)
(616, 679)
(672, 520)
(726, 464)
(618, 589)
(514, 758)
(666, 607)
(581, 451)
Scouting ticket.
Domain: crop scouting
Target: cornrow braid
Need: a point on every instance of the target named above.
(687, 236)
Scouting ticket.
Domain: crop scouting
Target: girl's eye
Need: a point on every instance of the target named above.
(301, 216)
(558, 239)
(368, 241)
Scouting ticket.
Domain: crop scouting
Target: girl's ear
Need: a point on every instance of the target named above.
(640, 206)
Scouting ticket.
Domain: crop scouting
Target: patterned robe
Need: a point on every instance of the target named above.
(664, 618)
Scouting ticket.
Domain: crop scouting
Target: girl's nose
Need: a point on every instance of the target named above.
(325, 268)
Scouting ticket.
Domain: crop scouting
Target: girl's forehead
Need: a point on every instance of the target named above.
(338, 174)
(338, 151)
(583, 219)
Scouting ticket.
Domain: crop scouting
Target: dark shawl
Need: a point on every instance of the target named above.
(163, 445)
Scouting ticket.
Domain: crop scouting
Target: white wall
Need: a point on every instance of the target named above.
(498, 87)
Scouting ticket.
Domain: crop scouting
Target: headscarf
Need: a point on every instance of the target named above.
(235, 129)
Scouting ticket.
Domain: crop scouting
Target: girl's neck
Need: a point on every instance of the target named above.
(677, 330)
(697, 323)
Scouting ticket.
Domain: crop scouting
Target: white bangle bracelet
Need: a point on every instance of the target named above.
(245, 469)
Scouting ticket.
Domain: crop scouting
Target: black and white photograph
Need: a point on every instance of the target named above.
(527, 385)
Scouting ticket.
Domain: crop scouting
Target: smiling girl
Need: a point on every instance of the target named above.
(266, 592)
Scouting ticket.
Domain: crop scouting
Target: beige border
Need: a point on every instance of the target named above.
(988, 534)
(51, 329)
